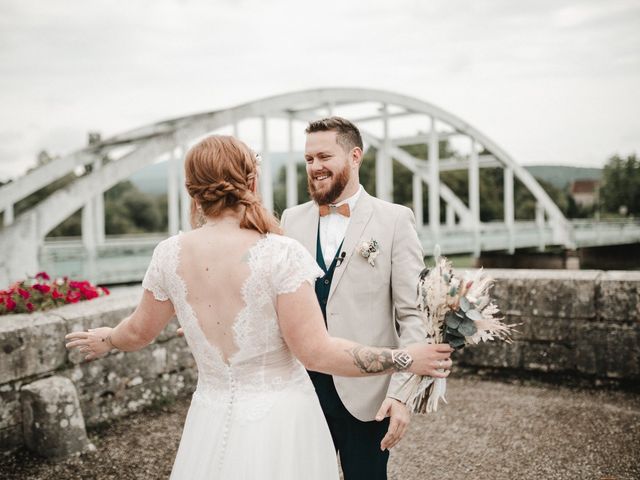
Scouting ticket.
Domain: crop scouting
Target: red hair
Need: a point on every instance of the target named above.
(220, 173)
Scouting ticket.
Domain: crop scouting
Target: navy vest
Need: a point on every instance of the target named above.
(323, 383)
(323, 284)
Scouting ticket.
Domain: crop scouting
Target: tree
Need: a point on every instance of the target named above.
(621, 185)
(127, 210)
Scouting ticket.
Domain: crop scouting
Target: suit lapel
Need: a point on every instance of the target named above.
(308, 235)
(359, 219)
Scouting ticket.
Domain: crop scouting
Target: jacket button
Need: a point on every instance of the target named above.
(326, 281)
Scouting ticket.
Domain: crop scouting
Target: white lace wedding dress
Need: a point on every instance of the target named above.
(256, 415)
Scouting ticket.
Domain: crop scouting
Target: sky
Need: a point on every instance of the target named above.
(550, 81)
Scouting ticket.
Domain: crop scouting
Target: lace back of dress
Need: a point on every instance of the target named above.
(214, 279)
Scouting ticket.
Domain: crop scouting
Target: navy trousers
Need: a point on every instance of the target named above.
(356, 442)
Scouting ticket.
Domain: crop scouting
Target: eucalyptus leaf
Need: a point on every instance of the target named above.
(467, 328)
(454, 332)
(456, 343)
(459, 313)
(452, 320)
(464, 304)
(473, 314)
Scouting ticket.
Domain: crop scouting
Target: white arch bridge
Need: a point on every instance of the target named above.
(388, 121)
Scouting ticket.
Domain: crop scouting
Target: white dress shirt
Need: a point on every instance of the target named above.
(333, 227)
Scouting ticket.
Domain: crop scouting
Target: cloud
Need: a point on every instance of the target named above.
(521, 71)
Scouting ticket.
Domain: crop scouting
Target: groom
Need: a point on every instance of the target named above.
(369, 252)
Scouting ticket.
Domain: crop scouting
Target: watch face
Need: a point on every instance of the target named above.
(402, 360)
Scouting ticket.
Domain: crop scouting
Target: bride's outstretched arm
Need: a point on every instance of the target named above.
(133, 333)
(304, 331)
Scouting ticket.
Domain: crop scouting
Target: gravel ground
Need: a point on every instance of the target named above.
(489, 430)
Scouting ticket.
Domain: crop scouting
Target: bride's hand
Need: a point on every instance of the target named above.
(432, 359)
(93, 343)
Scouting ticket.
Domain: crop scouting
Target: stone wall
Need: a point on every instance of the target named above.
(583, 323)
(32, 347)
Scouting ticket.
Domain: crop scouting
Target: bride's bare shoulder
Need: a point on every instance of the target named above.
(284, 243)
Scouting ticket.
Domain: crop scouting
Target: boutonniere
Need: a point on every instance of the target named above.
(370, 250)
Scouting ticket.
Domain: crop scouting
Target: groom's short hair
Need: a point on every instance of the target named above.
(347, 134)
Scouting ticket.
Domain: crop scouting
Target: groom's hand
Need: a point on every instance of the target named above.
(398, 423)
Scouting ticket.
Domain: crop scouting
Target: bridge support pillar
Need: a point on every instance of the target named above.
(89, 239)
(474, 196)
(384, 167)
(20, 246)
(266, 183)
(8, 216)
(540, 224)
(185, 199)
(292, 171)
(330, 108)
(451, 216)
(173, 199)
(509, 211)
(434, 182)
(417, 200)
(98, 209)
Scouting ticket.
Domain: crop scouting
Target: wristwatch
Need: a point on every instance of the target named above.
(401, 359)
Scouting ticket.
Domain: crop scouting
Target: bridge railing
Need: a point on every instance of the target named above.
(614, 231)
(490, 236)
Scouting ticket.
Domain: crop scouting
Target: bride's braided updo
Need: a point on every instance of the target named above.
(220, 174)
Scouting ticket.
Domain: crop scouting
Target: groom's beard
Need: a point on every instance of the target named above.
(329, 195)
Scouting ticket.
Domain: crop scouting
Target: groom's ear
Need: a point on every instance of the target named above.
(356, 156)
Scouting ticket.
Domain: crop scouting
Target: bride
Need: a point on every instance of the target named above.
(244, 296)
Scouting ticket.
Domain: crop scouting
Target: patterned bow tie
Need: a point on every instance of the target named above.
(343, 210)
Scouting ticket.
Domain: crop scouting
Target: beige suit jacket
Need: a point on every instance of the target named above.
(371, 305)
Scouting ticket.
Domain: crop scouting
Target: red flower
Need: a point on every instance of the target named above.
(89, 293)
(105, 290)
(29, 306)
(79, 285)
(23, 293)
(42, 288)
(10, 304)
(56, 294)
(43, 275)
(72, 297)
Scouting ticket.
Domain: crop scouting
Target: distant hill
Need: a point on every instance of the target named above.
(561, 176)
(153, 179)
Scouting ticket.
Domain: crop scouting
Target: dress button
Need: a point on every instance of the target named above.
(326, 281)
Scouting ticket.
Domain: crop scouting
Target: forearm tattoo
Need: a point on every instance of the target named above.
(371, 360)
